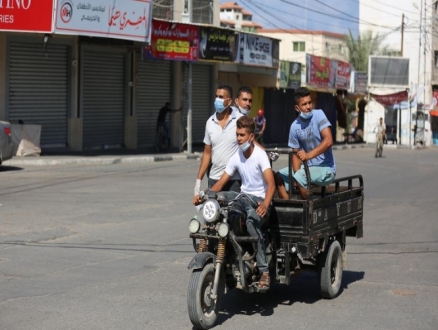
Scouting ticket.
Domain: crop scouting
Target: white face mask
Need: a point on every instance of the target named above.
(306, 115)
(243, 110)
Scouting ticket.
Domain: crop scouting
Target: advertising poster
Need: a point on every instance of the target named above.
(343, 75)
(173, 41)
(294, 75)
(26, 16)
(122, 19)
(360, 82)
(318, 71)
(255, 50)
(216, 44)
(283, 74)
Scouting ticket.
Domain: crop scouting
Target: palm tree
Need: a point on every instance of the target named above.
(365, 45)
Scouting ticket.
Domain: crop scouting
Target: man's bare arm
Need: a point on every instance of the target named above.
(221, 182)
(327, 142)
(205, 162)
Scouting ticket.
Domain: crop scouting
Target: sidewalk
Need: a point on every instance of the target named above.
(108, 157)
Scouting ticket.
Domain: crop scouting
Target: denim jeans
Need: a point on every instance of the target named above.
(254, 222)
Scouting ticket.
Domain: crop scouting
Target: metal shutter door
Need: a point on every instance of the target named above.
(154, 88)
(38, 89)
(103, 97)
(202, 100)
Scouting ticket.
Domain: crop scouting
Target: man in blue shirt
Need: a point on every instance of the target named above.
(310, 137)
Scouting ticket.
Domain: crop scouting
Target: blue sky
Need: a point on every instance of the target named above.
(285, 15)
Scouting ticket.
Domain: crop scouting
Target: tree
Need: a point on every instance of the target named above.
(365, 45)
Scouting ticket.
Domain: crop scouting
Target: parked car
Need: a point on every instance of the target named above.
(6, 148)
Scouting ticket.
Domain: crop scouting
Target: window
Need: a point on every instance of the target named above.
(237, 17)
(436, 59)
(341, 49)
(328, 47)
(299, 46)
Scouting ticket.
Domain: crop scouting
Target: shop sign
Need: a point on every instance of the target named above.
(343, 75)
(26, 15)
(319, 71)
(289, 75)
(360, 82)
(216, 44)
(256, 50)
(173, 41)
(121, 19)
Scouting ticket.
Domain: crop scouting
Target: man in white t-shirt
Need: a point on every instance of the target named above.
(252, 163)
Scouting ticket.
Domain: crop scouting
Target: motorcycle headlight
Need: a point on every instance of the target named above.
(211, 210)
(223, 230)
(194, 226)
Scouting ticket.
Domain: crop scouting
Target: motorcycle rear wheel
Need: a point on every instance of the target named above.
(203, 311)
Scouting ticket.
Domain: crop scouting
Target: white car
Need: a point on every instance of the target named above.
(6, 148)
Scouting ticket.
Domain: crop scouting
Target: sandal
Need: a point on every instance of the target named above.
(264, 281)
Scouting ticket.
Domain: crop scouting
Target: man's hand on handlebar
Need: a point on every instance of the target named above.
(302, 155)
(197, 200)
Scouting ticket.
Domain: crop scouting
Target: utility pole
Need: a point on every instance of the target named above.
(402, 31)
(189, 91)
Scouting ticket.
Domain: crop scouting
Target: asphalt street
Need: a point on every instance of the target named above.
(105, 246)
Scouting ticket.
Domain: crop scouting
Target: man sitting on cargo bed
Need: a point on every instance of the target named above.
(310, 137)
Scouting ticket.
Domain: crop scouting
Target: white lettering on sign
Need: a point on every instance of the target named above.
(8, 19)
(19, 4)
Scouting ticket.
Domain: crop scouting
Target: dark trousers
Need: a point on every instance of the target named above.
(232, 185)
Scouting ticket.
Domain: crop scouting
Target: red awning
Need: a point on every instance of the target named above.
(391, 99)
(434, 113)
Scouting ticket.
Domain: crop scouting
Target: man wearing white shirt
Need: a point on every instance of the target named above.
(252, 163)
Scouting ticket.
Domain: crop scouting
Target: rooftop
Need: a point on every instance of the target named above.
(230, 5)
(244, 23)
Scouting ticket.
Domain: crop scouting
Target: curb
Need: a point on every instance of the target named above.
(19, 161)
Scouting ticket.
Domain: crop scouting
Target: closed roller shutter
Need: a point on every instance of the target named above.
(154, 88)
(103, 97)
(38, 89)
(202, 100)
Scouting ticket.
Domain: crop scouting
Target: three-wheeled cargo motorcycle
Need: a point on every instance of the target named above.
(302, 235)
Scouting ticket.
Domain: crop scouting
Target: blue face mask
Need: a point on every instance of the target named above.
(243, 111)
(306, 115)
(219, 105)
(244, 147)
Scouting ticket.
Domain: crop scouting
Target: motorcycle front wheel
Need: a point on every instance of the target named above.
(203, 311)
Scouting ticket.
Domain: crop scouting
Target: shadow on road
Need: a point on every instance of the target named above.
(303, 289)
(5, 168)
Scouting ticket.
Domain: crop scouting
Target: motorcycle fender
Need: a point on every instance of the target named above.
(201, 259)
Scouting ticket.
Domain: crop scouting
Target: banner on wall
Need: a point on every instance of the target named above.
(319, 72)
(172, 41)
(343, 75)
(121, 19)
(289, 75)
(360, 82)
(257, 50)
(26, 16)
(216, 44)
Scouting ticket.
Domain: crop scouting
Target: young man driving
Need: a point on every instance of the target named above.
(310, 137)
(252, 163)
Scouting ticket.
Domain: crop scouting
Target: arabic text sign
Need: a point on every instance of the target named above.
(360, 82)
(173, 41)
(216, 44)
(255, 50)
(26, 15)
(319, 71)
(343, 74)
(122, 19)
